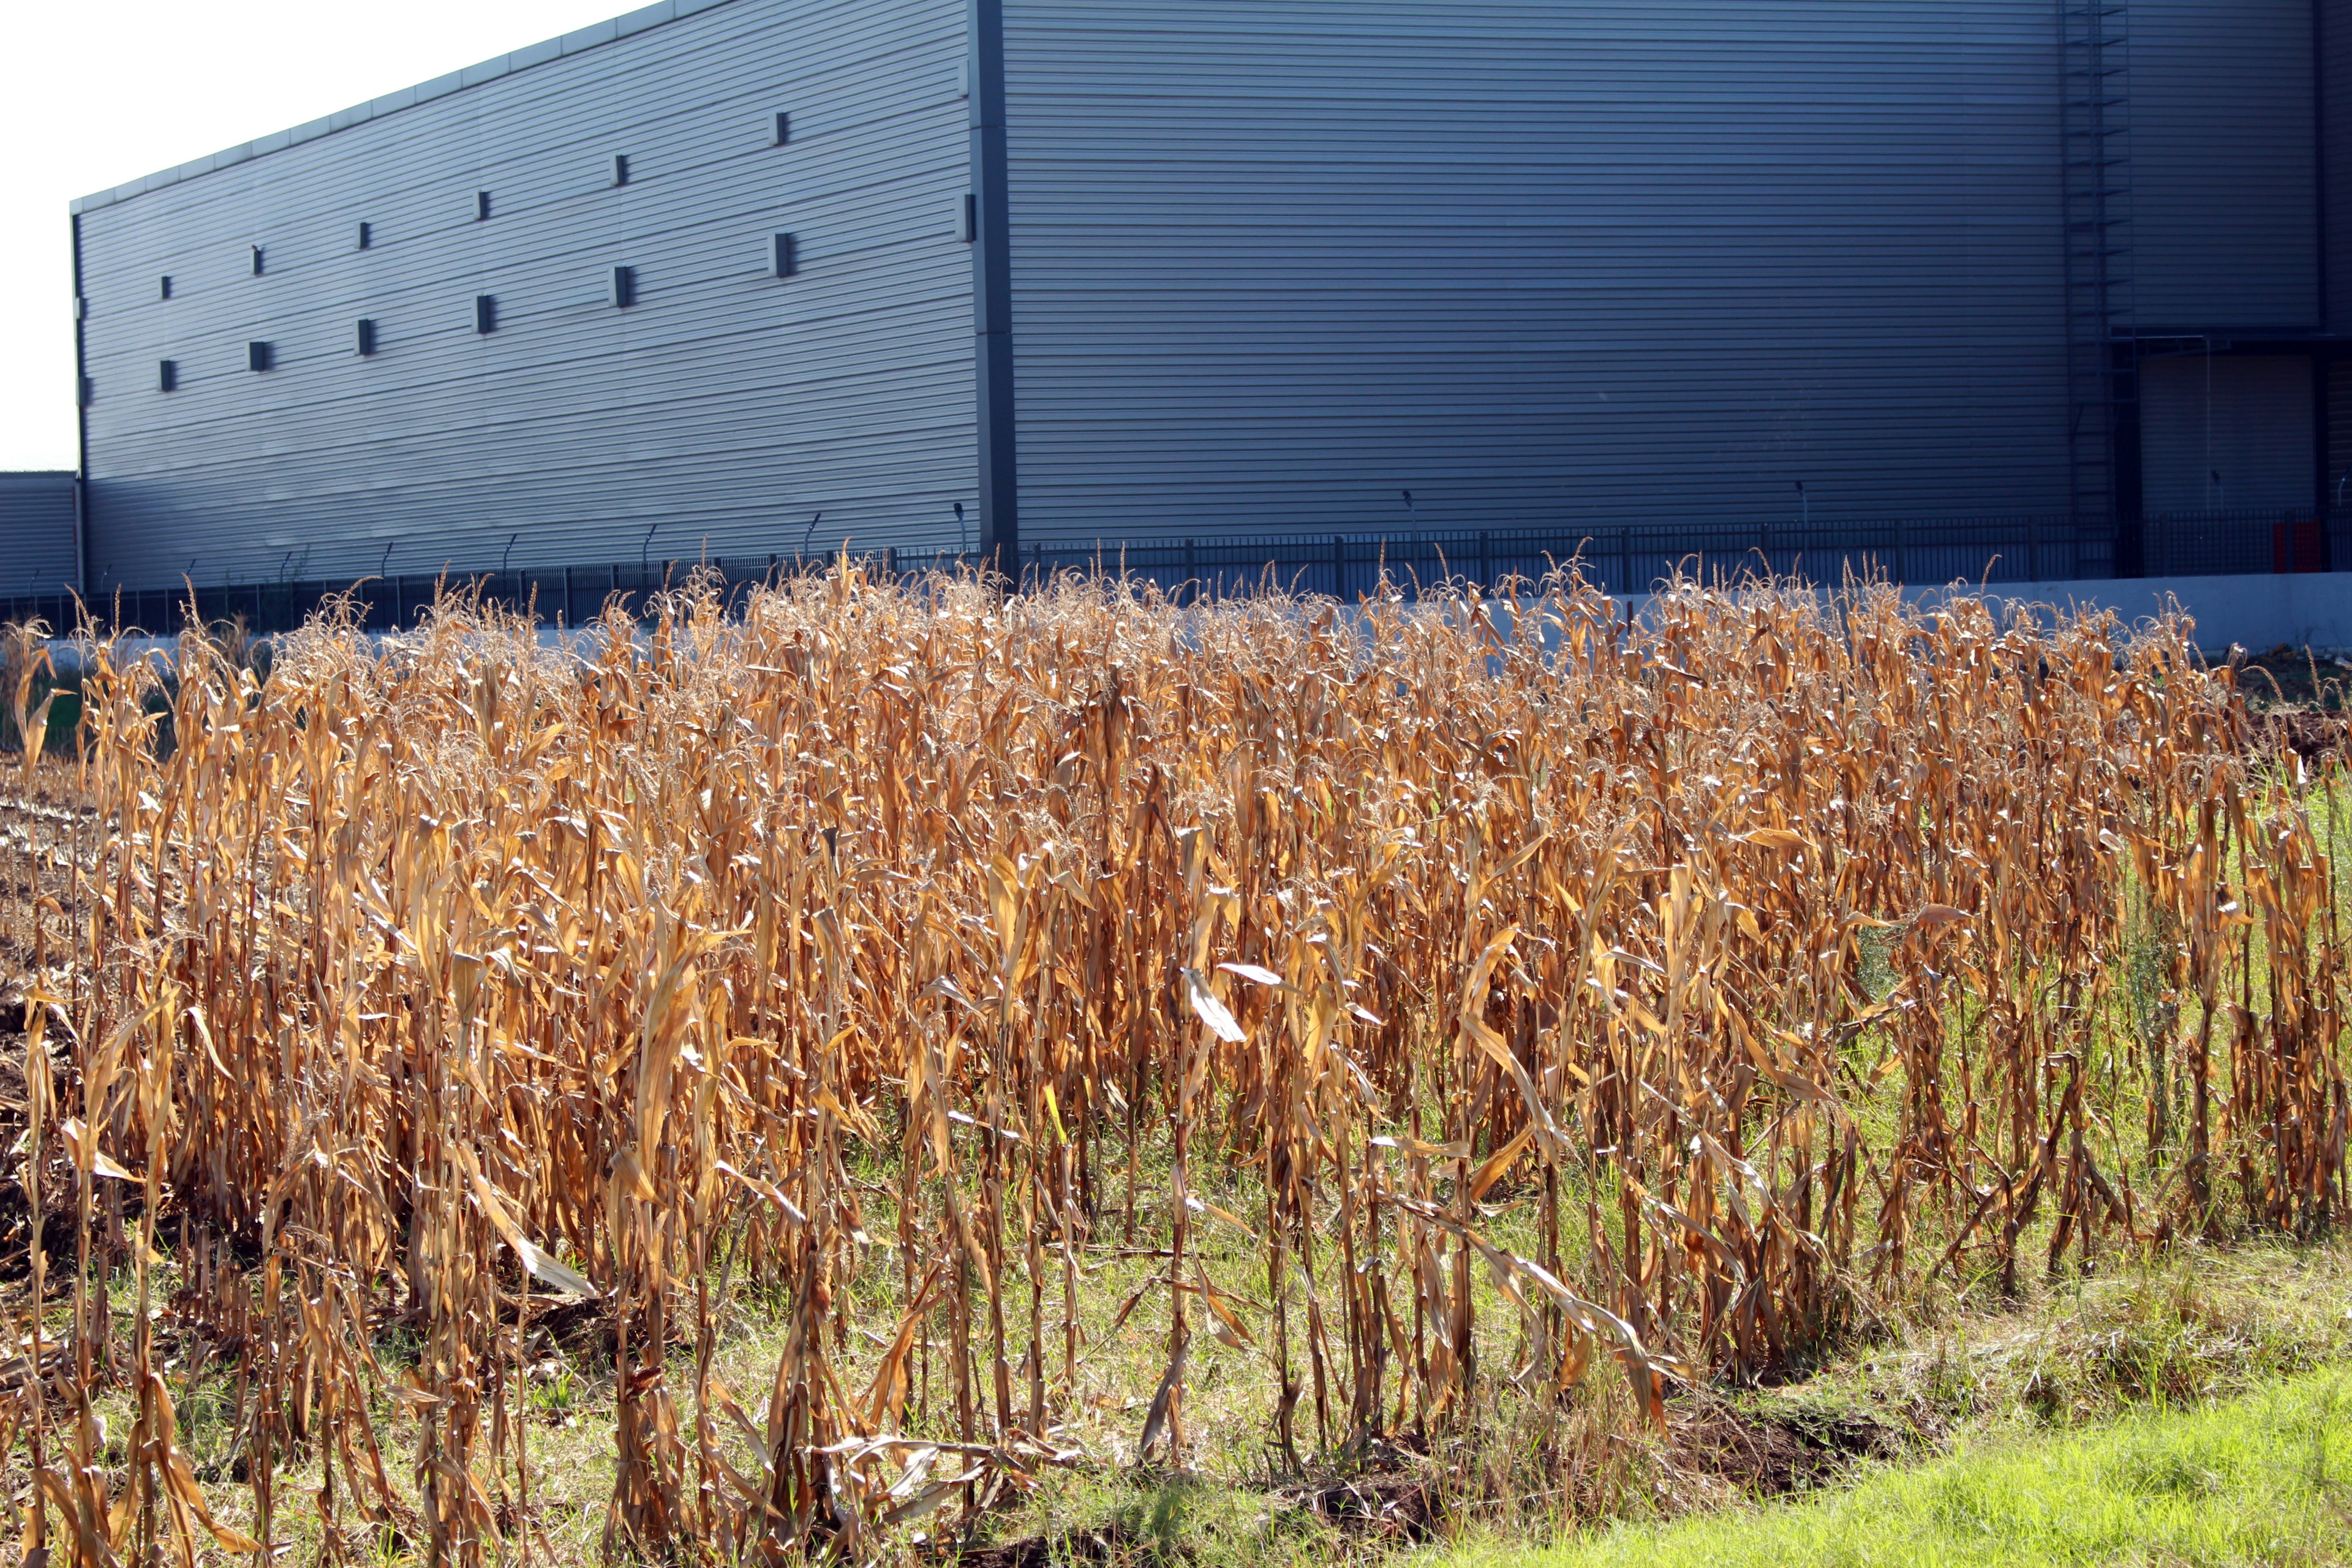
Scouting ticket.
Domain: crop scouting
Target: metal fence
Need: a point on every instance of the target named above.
(1626, 560)
(2243, 543)
(1629, 560)
(565, 594)
(1634, 560)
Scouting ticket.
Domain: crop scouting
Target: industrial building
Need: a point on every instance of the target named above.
(2040, 287)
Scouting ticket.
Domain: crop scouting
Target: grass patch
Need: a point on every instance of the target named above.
(2187, 1328)
(2264, 1479)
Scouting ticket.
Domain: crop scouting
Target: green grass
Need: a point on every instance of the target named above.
(2263, 1479)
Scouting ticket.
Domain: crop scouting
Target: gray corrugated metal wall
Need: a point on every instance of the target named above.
(2227, 432)
(36, 533)
(2224, 184)
(2338, 487)
(1276, 261)
(2335, 118)
(728, 406)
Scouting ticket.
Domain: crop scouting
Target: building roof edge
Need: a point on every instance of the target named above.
(572, 43)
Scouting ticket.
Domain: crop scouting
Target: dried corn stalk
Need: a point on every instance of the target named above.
(430, 977)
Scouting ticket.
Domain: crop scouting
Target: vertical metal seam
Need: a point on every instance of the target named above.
(2319, 152)
(81, 421)
(2322, 411)
(2322, 414)
(991, 263)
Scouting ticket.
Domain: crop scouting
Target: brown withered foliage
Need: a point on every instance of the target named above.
(428, 979)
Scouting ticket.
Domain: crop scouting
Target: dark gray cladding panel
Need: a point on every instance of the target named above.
(1277, 261)
(2224, 173)
(2227, 432)
(36, 533)
(725, 404)
(2336, 147)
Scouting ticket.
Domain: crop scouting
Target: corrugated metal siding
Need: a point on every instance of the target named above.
(2244, 418)
(2224, 186)
(36, 533)
(1277, 261)
(728, 406)
(2339, 433)
(2336, 120)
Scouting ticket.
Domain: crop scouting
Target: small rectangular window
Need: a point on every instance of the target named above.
(367, 235)
(485, 313)
(260, 356)
(481, 206)
(624, 286)
(970, 218)
(167, 286)
(167, 375)
(367, 336)
(620, 168)
(89, 390)
(783, 129)
(788, 258)
(258, 260)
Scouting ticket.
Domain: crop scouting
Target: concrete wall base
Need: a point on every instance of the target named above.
(2308, 610)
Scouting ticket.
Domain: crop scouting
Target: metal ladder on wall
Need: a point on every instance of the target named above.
(2102, 372)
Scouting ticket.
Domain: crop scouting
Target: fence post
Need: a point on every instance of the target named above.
(2032, 548)
(1486, 561)
(1339, 567)
(1192, 575)
(1625, 561)
(1902, 570)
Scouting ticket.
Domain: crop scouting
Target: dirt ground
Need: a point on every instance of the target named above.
(2300, 702)
(2294, 679)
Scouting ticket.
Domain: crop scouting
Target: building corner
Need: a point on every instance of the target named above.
(991, 237)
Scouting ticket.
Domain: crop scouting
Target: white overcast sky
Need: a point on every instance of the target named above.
(96, 92)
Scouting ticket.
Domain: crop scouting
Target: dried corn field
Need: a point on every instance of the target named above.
(1043, 1011)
